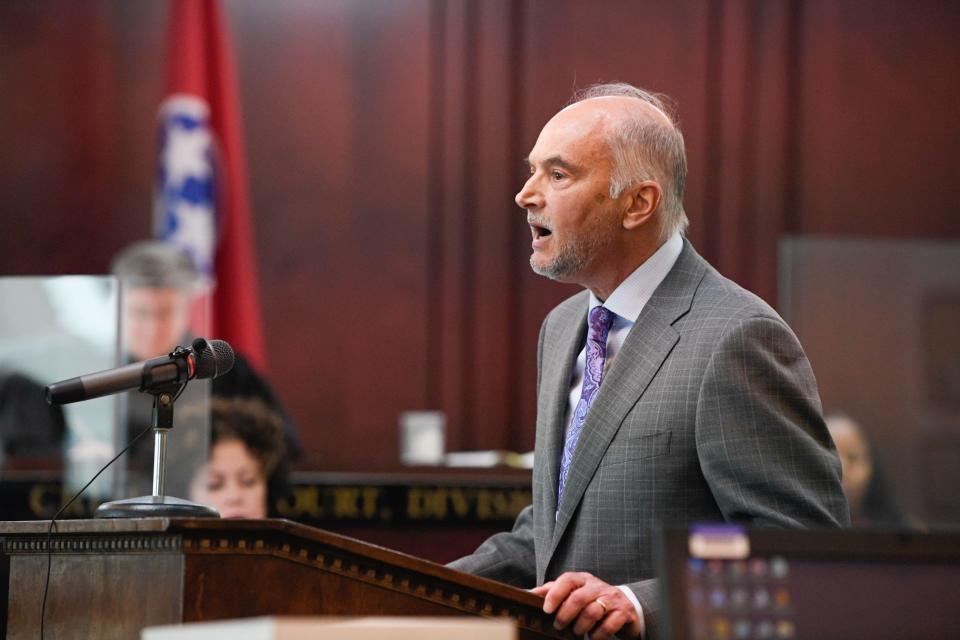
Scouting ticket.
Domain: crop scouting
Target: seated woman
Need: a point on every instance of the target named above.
(247, 467)
(871, 499)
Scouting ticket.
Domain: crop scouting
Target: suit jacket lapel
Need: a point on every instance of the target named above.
(643, 352)
(565, 342)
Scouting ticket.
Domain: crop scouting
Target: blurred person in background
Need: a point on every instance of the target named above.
(31, 430)
(871, 498)
(158, 286)
(247, 468)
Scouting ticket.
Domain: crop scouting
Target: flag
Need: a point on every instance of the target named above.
(201, 199)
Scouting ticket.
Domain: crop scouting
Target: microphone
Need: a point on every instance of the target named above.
(204, 359)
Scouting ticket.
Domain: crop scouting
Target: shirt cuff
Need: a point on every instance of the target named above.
(632, 597)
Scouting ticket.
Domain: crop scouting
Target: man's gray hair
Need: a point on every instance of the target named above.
(152, 263)
(647, 149)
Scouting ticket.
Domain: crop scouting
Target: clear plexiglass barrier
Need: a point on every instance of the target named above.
(880, 321)
(54, 328)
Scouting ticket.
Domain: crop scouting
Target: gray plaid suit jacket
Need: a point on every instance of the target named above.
(709, 412)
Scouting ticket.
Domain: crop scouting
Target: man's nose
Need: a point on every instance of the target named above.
(529, 197)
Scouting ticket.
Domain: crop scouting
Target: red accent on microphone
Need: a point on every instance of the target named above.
(191, 367)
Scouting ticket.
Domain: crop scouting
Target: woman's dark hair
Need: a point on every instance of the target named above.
(260, 429)
(879, 506)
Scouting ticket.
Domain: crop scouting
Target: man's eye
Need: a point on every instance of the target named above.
(557, 175)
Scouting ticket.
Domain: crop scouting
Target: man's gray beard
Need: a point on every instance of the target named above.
(561, 267)
(572, 258)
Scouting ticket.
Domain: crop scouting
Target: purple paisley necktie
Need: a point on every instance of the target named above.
(598, 326)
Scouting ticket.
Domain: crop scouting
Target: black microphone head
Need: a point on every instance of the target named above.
(213, 357)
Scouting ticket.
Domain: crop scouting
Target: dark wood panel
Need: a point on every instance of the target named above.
(64, 142)
(232, 595)
(879, 93)
(336, 107)
(122, 604)
(748, 171)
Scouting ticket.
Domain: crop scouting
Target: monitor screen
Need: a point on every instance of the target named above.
(730, 583)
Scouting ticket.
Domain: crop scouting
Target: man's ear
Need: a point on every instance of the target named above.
(645, 198)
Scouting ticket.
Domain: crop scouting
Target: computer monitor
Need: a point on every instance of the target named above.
(730, 583)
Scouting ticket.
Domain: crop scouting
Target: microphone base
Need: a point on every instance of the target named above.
(154, 507)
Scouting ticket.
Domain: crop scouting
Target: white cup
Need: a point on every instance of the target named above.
(422, 437)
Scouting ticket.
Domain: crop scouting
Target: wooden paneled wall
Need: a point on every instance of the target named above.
(385, 141)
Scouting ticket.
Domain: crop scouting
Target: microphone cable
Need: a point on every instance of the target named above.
(53, 521)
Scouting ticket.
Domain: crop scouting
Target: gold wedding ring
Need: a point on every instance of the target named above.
(603, 604)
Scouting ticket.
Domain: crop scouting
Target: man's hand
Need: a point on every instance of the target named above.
(590, 604)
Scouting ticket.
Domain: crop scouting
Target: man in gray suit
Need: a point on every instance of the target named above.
(665, 392)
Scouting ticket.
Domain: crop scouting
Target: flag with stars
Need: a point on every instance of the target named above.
(201, 200)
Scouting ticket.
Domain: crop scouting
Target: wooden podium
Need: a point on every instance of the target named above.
(111, 578)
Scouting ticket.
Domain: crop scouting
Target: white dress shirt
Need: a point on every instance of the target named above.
(626, 302)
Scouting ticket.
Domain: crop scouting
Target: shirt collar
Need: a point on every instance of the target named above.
(631, 295)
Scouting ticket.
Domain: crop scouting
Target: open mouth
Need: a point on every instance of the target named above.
(539, 231)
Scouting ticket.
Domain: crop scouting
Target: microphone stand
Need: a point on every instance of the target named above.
(158, 505)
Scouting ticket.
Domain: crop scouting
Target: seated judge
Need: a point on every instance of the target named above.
(666, 393)
(158, 285)
(247, 468)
